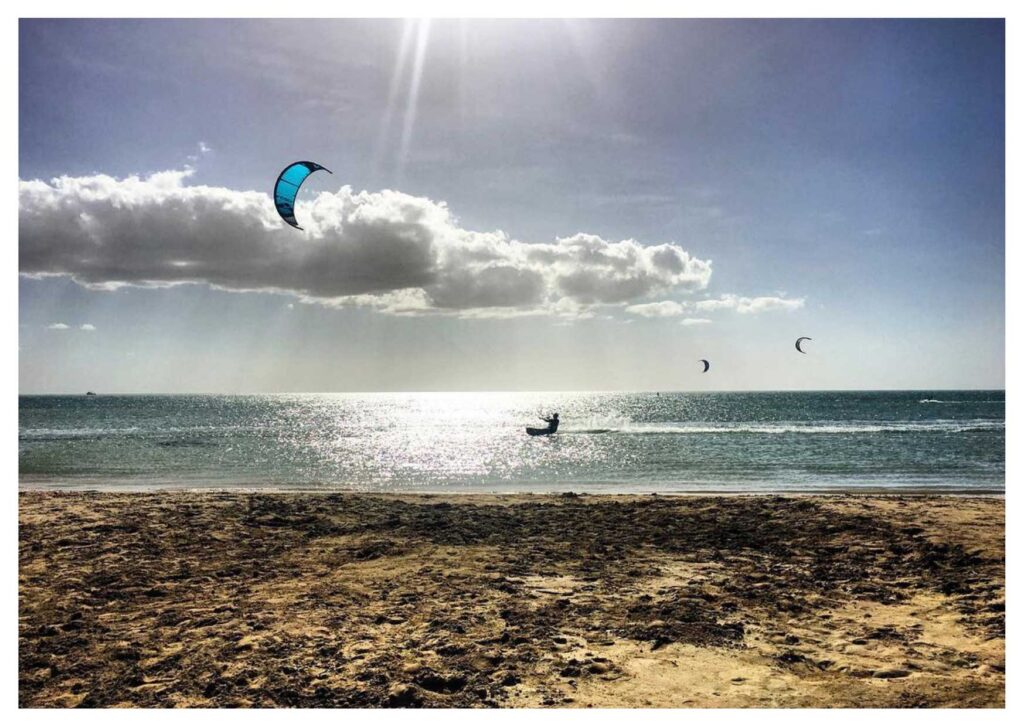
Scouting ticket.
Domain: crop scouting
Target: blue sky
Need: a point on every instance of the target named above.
(842, 180)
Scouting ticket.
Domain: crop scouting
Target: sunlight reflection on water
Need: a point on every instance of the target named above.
(476, 441)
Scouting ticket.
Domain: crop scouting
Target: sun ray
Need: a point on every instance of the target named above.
(422, 36)
(404, 46)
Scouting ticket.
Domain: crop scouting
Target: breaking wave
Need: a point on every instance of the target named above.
(962, 401)
(974, 425)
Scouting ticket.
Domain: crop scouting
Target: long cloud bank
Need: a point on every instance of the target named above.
(743, 305)
(401, 254)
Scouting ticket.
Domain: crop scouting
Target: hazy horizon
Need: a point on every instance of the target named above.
(514, 206)
(486, 391)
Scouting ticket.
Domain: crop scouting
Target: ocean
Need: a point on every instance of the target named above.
(942, 441)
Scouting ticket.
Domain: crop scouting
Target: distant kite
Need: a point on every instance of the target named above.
(287, 187)
(802, 338)
(707, 364)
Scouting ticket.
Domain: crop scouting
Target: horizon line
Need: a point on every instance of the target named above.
(504, 391)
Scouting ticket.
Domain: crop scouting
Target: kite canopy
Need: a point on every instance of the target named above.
(802, 338)
(287, 187)
(707, 364)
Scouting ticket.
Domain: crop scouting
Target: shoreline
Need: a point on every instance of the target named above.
(312, 598)
(50, 485)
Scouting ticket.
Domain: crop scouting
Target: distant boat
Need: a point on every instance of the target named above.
(90, 393)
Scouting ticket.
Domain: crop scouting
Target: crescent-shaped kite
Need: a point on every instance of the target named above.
(802, 338)
(287, 187)
(707, 364)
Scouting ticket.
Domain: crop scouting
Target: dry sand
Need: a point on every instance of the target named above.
(234, 599)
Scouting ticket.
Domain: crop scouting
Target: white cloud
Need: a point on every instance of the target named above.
(58, 326)
(743, 305)
(661, 309)
(88, 327)
(695, 321)
(398, 253)
(203, 149)
(672, 308)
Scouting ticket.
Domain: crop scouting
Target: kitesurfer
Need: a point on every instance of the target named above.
(552, 423)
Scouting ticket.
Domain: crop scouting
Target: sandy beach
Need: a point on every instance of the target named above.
(230, 599)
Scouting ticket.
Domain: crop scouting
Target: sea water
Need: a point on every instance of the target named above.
(949, 441)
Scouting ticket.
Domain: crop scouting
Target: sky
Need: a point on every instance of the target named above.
(514, 205)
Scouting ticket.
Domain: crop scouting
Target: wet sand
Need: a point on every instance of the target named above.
(228, 599)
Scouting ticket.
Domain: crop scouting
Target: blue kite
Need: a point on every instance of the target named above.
(287, 187)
